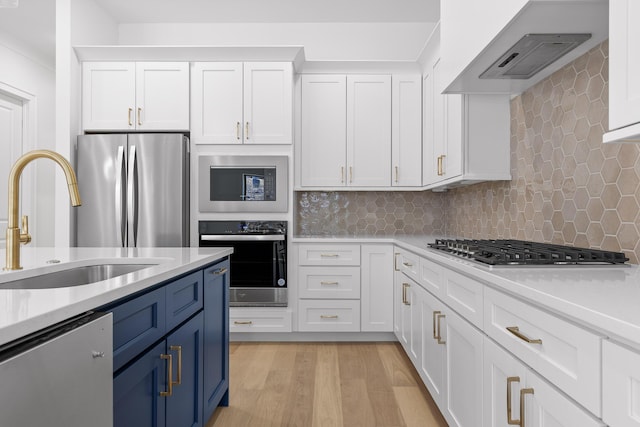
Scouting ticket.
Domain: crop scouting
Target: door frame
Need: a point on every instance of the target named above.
(29, 138)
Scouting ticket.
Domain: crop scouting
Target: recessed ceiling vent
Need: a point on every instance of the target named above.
(532, 53)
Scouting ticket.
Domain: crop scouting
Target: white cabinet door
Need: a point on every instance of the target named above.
(108, 95)
(432, 362)
(162, 96)
(447, 122)
(376, 300)
(369, 130)
(324, 131)
(406, 137)
(216, 102)
(463, 371)
(624, 63)
(268, 103)
(620, 386)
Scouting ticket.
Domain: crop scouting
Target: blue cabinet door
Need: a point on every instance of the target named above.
(216, 337)
(184, 406)
(136, 391)
(184, 298)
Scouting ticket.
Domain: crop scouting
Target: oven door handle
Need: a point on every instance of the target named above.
(237, 237)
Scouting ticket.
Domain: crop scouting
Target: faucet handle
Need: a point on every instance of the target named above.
(25, 237)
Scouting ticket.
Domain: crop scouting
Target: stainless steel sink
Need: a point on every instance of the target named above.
(74, 276)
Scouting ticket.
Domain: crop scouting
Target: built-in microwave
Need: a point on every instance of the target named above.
(238, 183)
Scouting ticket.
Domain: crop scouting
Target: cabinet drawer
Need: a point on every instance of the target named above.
(464, 295)
(329, 254)
(432, 276)
(329, 282)
(250, 320)
(566, 355)
(620, 386)
(329, 315)
(184, 298)
(409, 264)
(137, 324)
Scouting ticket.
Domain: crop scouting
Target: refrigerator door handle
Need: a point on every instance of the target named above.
(119, 171)
(132, 197)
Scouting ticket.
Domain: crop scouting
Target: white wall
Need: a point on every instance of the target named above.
(30, 72)
(321, 41)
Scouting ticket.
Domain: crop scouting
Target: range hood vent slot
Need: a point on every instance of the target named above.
(532, 53)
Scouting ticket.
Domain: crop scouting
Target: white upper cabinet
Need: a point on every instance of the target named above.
(466, 137)
(406, 135)
(346, 131)
(236, 103)
(624, 71)
(123, 96)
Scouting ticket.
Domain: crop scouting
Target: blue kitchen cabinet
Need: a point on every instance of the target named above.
(216, 337)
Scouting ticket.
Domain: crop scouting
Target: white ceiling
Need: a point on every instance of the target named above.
(32, 24)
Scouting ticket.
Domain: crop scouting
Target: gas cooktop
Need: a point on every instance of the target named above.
(519, 252)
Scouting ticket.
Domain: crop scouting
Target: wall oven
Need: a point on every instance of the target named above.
(242, 183)
(258, 262)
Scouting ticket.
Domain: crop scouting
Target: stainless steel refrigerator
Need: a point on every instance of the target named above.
(134, 189)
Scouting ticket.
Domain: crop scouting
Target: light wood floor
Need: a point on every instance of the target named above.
(324, 385)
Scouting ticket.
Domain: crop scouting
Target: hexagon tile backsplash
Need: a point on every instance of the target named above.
(567, 186)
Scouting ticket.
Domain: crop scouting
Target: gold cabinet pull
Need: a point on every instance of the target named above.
(407, 264)
(329, 255)
(439, 165)
(329, 283)
(395, 262)
(178, 348)
(246, 130)
(442, 172)
(404, 294)
(139, 118)
(350, 174)
(439, 336)
(342, 174)
(220, 271)
(129, 116)
(435, 334)
(523, 392)
(238, 130)
(516, 331)
(328, 316)
(169, 360)
(396, 174)
(510, 420)
(243, 322)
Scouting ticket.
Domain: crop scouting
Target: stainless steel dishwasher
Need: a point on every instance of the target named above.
(61, 376)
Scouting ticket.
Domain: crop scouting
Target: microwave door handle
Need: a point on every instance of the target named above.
(118, 196)
(132, 197)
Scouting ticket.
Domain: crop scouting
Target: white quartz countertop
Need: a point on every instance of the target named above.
(23, 311)
(605, 299)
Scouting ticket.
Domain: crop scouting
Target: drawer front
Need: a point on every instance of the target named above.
(329, 315)
(309, 254)
(620, 385)
(409, 264)
(329, 282)
(137, 324)
(566, 355)
(432, 277)
(184, 298)
(248, 320)
(464, 295)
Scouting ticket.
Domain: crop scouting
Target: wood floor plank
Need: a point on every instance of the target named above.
(357, 410)
(397, 365)
(327, 399)
(417, 409)
(299, 413)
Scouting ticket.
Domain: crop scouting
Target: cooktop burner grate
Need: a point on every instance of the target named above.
(519, 252)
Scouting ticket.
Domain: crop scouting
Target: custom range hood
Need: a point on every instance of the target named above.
(524, 42)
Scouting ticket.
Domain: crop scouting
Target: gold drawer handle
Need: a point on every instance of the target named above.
(405, 301)
(523, 392)
(396, 174)
(516, 331)
(220, 271)
(328, 316)
(510, 420)
(329, 255)
(139, 118)
(246, 130)
(129, 116)
(439, 336)
(407, 264)
(178, 348)
(329, 283)
(238, 130)
(395, 262)
(243, 322)
(435, 334)
(169, 360)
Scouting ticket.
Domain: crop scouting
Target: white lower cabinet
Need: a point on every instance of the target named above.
(345, 287)
(620, 385)
(516, 395)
